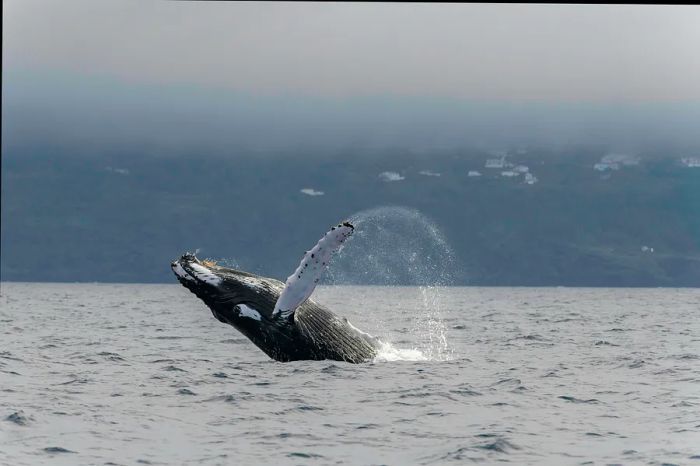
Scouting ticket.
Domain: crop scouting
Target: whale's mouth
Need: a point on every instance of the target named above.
(191, 271)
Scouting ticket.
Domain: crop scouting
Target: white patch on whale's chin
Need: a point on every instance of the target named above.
(249, 312)
(180, 272)
(204, 274)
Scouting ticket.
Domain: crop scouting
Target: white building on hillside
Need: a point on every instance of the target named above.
(601, 166)
(496, 163)
(311, 192)
(615, 161)
(391, 176)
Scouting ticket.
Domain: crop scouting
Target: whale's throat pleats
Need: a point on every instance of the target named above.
(303, 281)
(334, 335)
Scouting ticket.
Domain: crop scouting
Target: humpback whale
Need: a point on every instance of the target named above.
(278, 318)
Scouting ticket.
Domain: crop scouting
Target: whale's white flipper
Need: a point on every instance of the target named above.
(302, 282)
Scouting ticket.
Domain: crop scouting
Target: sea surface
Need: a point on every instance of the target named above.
(94, 374)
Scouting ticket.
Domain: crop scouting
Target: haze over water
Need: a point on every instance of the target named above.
(124, 374)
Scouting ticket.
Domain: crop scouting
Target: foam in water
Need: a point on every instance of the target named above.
(396, 246)
(389, 353)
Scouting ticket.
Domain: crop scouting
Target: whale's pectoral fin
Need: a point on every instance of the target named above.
(303, 281)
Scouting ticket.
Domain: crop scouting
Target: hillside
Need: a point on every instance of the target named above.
(124, 215)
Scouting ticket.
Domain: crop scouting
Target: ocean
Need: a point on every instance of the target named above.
(105, 374)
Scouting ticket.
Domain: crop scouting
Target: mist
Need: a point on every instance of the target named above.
(218, 77)
(100, 113)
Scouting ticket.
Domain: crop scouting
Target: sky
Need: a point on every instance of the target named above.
(577, 52)
(134, 66)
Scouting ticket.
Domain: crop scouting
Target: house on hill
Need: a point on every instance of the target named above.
(496, 163)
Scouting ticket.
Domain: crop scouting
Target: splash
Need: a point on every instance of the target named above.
(399, 246)
(389, 353)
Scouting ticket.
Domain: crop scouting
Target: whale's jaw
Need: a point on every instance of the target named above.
(192, 273)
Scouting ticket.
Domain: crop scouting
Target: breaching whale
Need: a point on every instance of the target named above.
(278, 318)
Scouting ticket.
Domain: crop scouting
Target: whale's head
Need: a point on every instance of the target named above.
(231, 294)
(195, 274)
